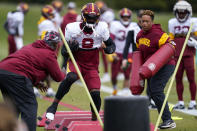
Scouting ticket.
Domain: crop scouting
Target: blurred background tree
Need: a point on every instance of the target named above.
(155, 5)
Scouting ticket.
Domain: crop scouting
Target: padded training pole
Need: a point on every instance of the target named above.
(173, 77)
(80, 76)
(126, 113)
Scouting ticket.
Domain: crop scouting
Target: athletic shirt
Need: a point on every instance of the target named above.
(149, 42)
(45, 25)
(178, 32)
(88, 54)
(119, 31)
(15, 21)
(57, 19)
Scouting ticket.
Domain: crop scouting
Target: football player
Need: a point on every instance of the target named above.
(57, 5)
(119, 30)
(14, 27)
(107, 15)
(89, 36)
(46, 24)
(178, 29)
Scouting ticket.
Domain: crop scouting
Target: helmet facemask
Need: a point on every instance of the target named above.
(90, 20)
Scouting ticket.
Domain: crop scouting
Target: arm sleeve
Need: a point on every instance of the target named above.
(129, 40)
(110, 46)
(53, 68)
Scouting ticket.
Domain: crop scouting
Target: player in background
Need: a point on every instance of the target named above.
(46, 24)
(178, 28)
(139, 18)
(69, 17)
(57, 5)
(89, 35)
(14, 27)
(107, 15)
(118, 31)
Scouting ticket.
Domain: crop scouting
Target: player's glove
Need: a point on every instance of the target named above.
(74, 45)
(192, 42)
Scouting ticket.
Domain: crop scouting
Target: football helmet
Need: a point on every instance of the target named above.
(48, 12)
(24, 7)
(90, 14)
(182, 10)
(125, 16)
(57, 4)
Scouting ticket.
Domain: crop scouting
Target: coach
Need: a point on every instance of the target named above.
(26, 68)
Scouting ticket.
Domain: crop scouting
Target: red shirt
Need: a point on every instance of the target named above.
(68, 18)
(34, 61)
(149, 42)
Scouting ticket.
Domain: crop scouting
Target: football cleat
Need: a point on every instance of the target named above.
(115, 91)
(179, 106)
(167, 124)
(50, 93)
(192, 106)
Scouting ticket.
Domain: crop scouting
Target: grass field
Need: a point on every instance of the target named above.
(77, 95)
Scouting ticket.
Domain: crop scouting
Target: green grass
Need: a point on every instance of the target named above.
(77, 95)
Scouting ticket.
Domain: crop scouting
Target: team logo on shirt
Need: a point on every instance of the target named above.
(144, 41)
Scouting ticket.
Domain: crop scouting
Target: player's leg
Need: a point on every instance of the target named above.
(179, 85)
(156, 87)
(115, 69)
(127, 71)
(12, 44)
(190, 72)
(63, 89)
(92, 80)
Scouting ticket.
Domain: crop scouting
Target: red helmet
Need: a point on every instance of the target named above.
(57, 4)
(24, 7)
(125, 12)
(48, 12)
(90, 14)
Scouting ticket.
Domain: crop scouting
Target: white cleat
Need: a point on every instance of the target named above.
(50, 116)
(50, 93)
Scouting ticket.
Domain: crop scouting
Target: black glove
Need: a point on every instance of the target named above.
(74, 45)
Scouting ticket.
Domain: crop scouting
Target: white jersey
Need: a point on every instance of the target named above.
(176, 28)
(87, 41)
(15, 23)
(120, 32)
(46, 25)
(108, 16)
(57, 19)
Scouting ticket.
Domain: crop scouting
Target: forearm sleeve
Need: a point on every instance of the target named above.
(129, 40)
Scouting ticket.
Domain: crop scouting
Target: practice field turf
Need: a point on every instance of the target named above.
(77, 96)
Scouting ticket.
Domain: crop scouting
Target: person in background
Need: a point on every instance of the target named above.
(69, 17)
(118, 31)
(149, 40)
(178, 29)
(14, 27)
(57, 5)
(88, 36)
(107, 15)
(46, 23)
(139, 17)
(26, 68)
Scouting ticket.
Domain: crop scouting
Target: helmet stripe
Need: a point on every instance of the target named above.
(92, 7)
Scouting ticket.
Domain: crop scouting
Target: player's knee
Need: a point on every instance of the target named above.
(71, 77)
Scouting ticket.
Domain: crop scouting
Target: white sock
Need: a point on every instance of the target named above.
(181, 102)
(193, 102)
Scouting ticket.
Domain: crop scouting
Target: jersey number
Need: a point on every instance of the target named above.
(122, 35)
(87, 43)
